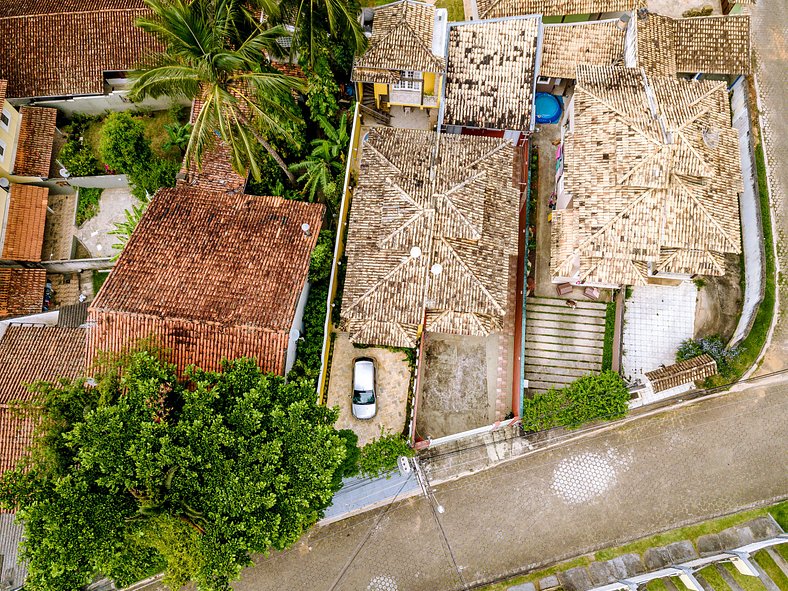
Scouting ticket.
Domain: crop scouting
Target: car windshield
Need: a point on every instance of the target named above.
(363, 397)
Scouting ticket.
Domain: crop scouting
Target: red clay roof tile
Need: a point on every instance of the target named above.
(34, 147)
(27, 214)
(21, 291)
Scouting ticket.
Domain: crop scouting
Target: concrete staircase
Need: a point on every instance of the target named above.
(562, 344)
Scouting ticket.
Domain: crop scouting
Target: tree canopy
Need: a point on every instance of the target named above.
(134, 471)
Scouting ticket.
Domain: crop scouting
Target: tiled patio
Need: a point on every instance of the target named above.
(415, 119)
(657, 318)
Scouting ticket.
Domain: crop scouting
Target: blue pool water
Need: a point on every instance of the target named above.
(548, 108)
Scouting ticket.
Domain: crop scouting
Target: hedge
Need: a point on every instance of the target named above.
(591, 398)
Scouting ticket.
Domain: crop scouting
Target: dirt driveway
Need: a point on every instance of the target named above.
(393, 381)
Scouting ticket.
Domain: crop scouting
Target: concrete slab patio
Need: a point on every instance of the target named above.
(393, 382)
(94, 233)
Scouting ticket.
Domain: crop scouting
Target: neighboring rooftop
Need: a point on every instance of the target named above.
(62, 48)
(652, 169)
(212, 274)
(490, 76)
(564, 46)
(403, 38)
(683, 372)
(711, 44)
(21, 291)
(24, 232)
(503, 8)
(34, 146)
(73, 316)
(429, 241)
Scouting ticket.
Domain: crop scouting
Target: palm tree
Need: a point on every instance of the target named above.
(324, 165)
(123, 230)
(215, 52)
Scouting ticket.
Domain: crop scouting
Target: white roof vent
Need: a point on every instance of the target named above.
(436, 269)
(415, 252)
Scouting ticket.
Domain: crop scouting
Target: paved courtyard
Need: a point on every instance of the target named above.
(94, 233)
(657, 318)
(646, 476)
(392, 380)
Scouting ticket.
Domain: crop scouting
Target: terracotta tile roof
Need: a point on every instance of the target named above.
(211, 274)
(712, 45)
(683, 372)
(490, 77)
(3, 89)
(502, 8)
(402, 35)
(652, 168)
(458, 212)
(73, 316)
(21, 291)
(564, 46)
(31, 353)
(50, 48)
(34, 147)
(27, 214)
(293, 70)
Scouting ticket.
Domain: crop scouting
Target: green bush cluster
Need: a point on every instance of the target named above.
(610, 329)
(87, 203)
(124, 147)
(76, 155)
(713, 346)
(593, 397)
(322, 257)
(380, 455)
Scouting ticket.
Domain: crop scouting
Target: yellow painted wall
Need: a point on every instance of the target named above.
(9, 137)
(380, 90)
(429, 82)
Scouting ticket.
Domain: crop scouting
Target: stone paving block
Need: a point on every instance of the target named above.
(576, 579)
(733, 537)
(601, 573)
(522, 587)
(548, 583)
(628, 565)
(709, 544)
(663, 556)
(682, 551)
(764, 527)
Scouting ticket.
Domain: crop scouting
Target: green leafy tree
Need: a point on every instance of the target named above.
(137, 467)
(123, 145)
(380, 455)
(215, 51)
(123, 230)
(322, 257)
(323, 168)
(177, 136)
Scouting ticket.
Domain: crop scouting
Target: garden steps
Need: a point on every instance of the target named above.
(562, 344)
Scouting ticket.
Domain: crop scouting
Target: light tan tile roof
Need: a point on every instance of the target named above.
(599, 43)
(713, 45)
(683, 372)
(27, 212)
(503, 8)
(21, 291)
(50, 48)
(210, 273)
(651, 187)
(34, 146)
(460, 213)
(401, 40)
(3, 89)
(490, 77)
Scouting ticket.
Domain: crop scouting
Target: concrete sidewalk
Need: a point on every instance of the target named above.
(646, 476)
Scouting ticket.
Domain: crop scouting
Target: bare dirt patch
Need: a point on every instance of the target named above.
(720, 301)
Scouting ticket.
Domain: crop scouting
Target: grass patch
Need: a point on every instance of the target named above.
(454, 7)
(535, 576)
(98, 280)
(714, 578)
(768, 564)
(610, 329)
(87, 204)
(745, 582)
(656, 585)
(750, 348)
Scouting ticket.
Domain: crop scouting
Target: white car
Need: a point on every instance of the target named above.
(364, 399)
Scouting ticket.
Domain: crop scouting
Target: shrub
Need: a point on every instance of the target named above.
(380, 455)
(87, 203)
(610, 329)
(349, 466)
(77, 158)
(712, 346)
(322, 257)
(123, 144)
(593, 397)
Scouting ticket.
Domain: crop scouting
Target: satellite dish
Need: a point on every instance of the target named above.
(4, 182)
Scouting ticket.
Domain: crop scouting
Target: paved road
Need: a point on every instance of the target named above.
(770, 43)
(714, 457)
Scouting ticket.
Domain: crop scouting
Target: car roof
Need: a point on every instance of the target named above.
(363, 374)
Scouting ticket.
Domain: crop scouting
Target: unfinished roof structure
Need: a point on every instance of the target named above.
(651, 174)
(403, 38)
(209, 274)
(490, 78)
(24, 231)
(21, 291)
(503, 8)
(709, 44)
(62, 48)
(683, 372)
(432, 237)
(564, 46)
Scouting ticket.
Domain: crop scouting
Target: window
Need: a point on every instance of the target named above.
(5, 117)
(2, 150)
(409, 80)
